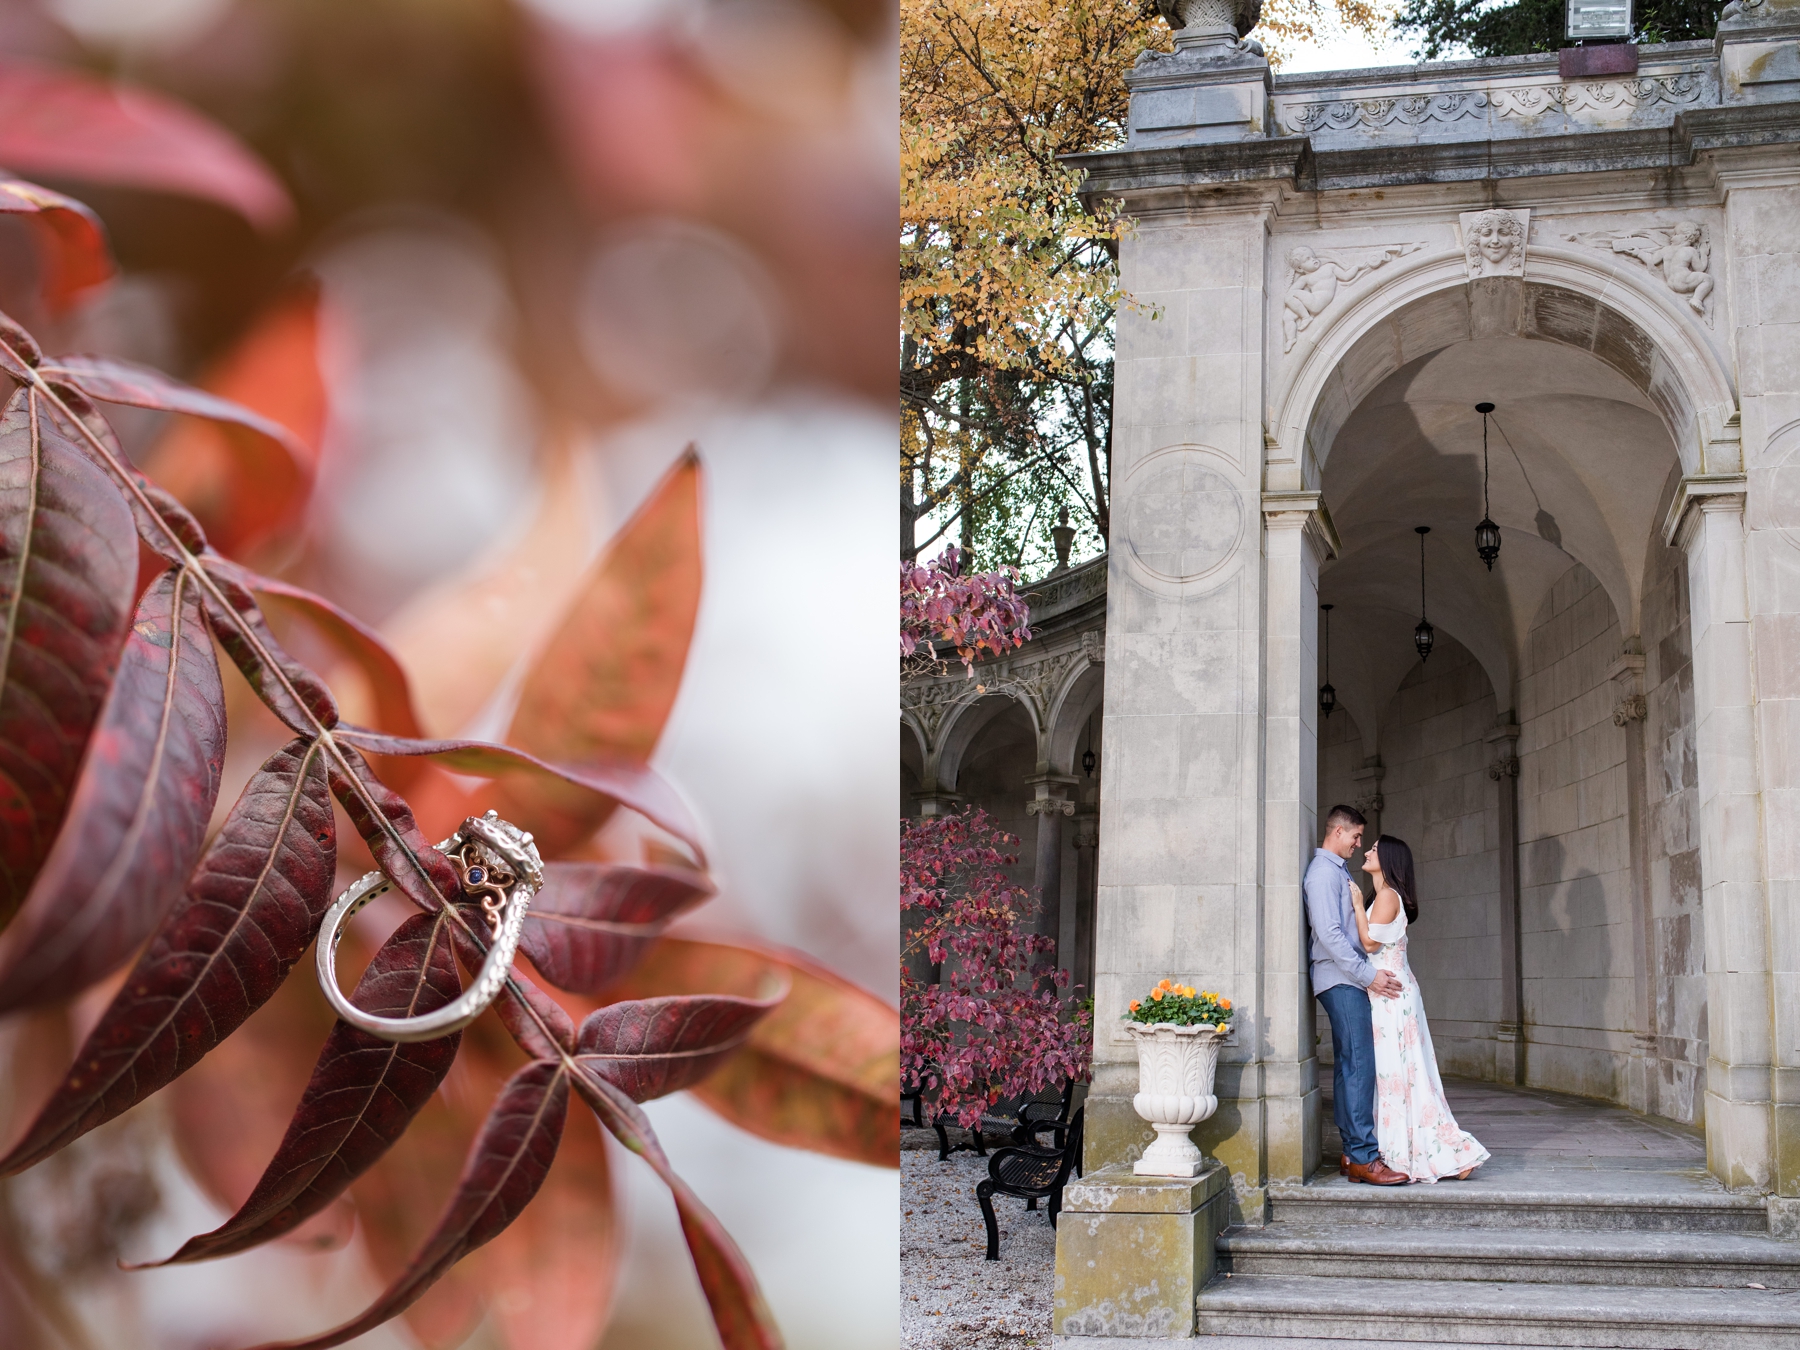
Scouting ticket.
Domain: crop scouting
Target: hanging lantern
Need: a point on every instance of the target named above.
(1424, 635)
(1327, 695)
(1487, 534)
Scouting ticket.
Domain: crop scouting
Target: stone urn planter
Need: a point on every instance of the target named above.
(1175, 1091)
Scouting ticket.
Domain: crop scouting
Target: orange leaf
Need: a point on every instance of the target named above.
(69, 237)
(522, 594)
(243, 487)
(604, 685)
(820, 1072)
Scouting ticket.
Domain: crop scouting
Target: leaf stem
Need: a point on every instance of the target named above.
(321, 733)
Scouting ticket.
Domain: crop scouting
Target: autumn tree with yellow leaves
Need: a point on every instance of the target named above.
(1008, 287)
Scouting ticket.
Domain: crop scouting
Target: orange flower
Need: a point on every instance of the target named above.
(1135, 1005)
(1156, 994)
(1165, 986)
(1225, 1003)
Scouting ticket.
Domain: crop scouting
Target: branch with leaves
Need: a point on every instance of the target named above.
(994, 1023)
(975, 613)
(113, 729)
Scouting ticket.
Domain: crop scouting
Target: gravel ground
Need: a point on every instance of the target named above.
(950, 1297)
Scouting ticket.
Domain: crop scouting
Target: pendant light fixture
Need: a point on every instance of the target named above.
(1487, 534)
(1424, 635)
(1327, 695)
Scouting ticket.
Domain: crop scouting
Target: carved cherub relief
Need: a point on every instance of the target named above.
(1314, 281)
(1678, 253)
(1494, 242)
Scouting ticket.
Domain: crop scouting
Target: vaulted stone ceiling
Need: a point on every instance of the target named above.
(1580, 463)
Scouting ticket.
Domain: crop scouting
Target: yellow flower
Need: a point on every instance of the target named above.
(1187, 991)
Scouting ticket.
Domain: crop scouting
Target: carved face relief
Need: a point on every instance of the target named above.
(1494, 242)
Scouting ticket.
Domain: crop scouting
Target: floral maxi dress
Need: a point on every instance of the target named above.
(1414, 1129)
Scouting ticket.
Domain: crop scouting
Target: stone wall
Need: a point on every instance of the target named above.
(1440, 799)
(1576, 952)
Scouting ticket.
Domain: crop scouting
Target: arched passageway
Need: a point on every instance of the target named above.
(1541, 761)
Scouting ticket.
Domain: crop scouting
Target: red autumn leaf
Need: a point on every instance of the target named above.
(385, 822)
(535, 1021)
(139, 812)
(252, 908)
(65, 124)
(360, 644)
(111, 380)
(821, 1072)
(507, 1164)
(67, 566)
(547, 1280)
(289, 690)
(592, 921)
(739, 1310)
(70, 238)
(244, 487)
(363, 1094)
(229, 1112)
(634, 785)
(602, 688)
(651, 1047)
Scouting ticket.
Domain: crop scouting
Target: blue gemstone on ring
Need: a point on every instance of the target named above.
(476, 875)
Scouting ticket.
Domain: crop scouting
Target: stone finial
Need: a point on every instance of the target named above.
(1207, 23)
(1494, 242)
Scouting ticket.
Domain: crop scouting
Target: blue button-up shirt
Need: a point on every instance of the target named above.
(1337, 954)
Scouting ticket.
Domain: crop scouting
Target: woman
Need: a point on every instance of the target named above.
(1413, 1125)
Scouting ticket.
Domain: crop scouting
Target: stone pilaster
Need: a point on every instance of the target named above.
(1707, 522)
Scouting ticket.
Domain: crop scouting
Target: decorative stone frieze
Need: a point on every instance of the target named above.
(1518, 102)
(1494, 242)
(1679, 254)
(931, 701)
(1314, 279)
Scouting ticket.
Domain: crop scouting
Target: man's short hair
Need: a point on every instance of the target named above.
(1346, 816)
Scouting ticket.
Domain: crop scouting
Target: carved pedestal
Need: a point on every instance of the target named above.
(1132, 1252)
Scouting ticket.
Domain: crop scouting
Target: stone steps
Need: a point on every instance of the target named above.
(1470, 1312)
(1523, 1255)
(1487, 1205)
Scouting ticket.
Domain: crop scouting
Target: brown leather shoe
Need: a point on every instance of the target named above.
(1343, 1164)
(1376, 1173)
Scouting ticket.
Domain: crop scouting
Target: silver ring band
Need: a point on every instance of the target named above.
(494, 858)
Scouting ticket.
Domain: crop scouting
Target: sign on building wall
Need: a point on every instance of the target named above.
(1599, 19)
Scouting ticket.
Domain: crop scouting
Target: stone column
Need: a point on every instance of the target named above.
(1050, 804)
(1509, 1036)
(1296, 539)
(1081, 962)
(1642, 1090)
(1707, 522)
(1181, 784)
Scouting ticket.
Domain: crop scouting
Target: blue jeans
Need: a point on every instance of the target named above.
(1352, 1070)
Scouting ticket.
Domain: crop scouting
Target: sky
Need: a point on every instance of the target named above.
(1339, 49)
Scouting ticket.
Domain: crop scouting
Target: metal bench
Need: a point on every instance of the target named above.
(1032, 1174)
(1036, 1118)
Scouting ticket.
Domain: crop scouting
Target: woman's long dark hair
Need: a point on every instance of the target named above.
(1397, 869)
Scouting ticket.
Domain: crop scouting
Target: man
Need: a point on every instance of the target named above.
(1341, 973)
